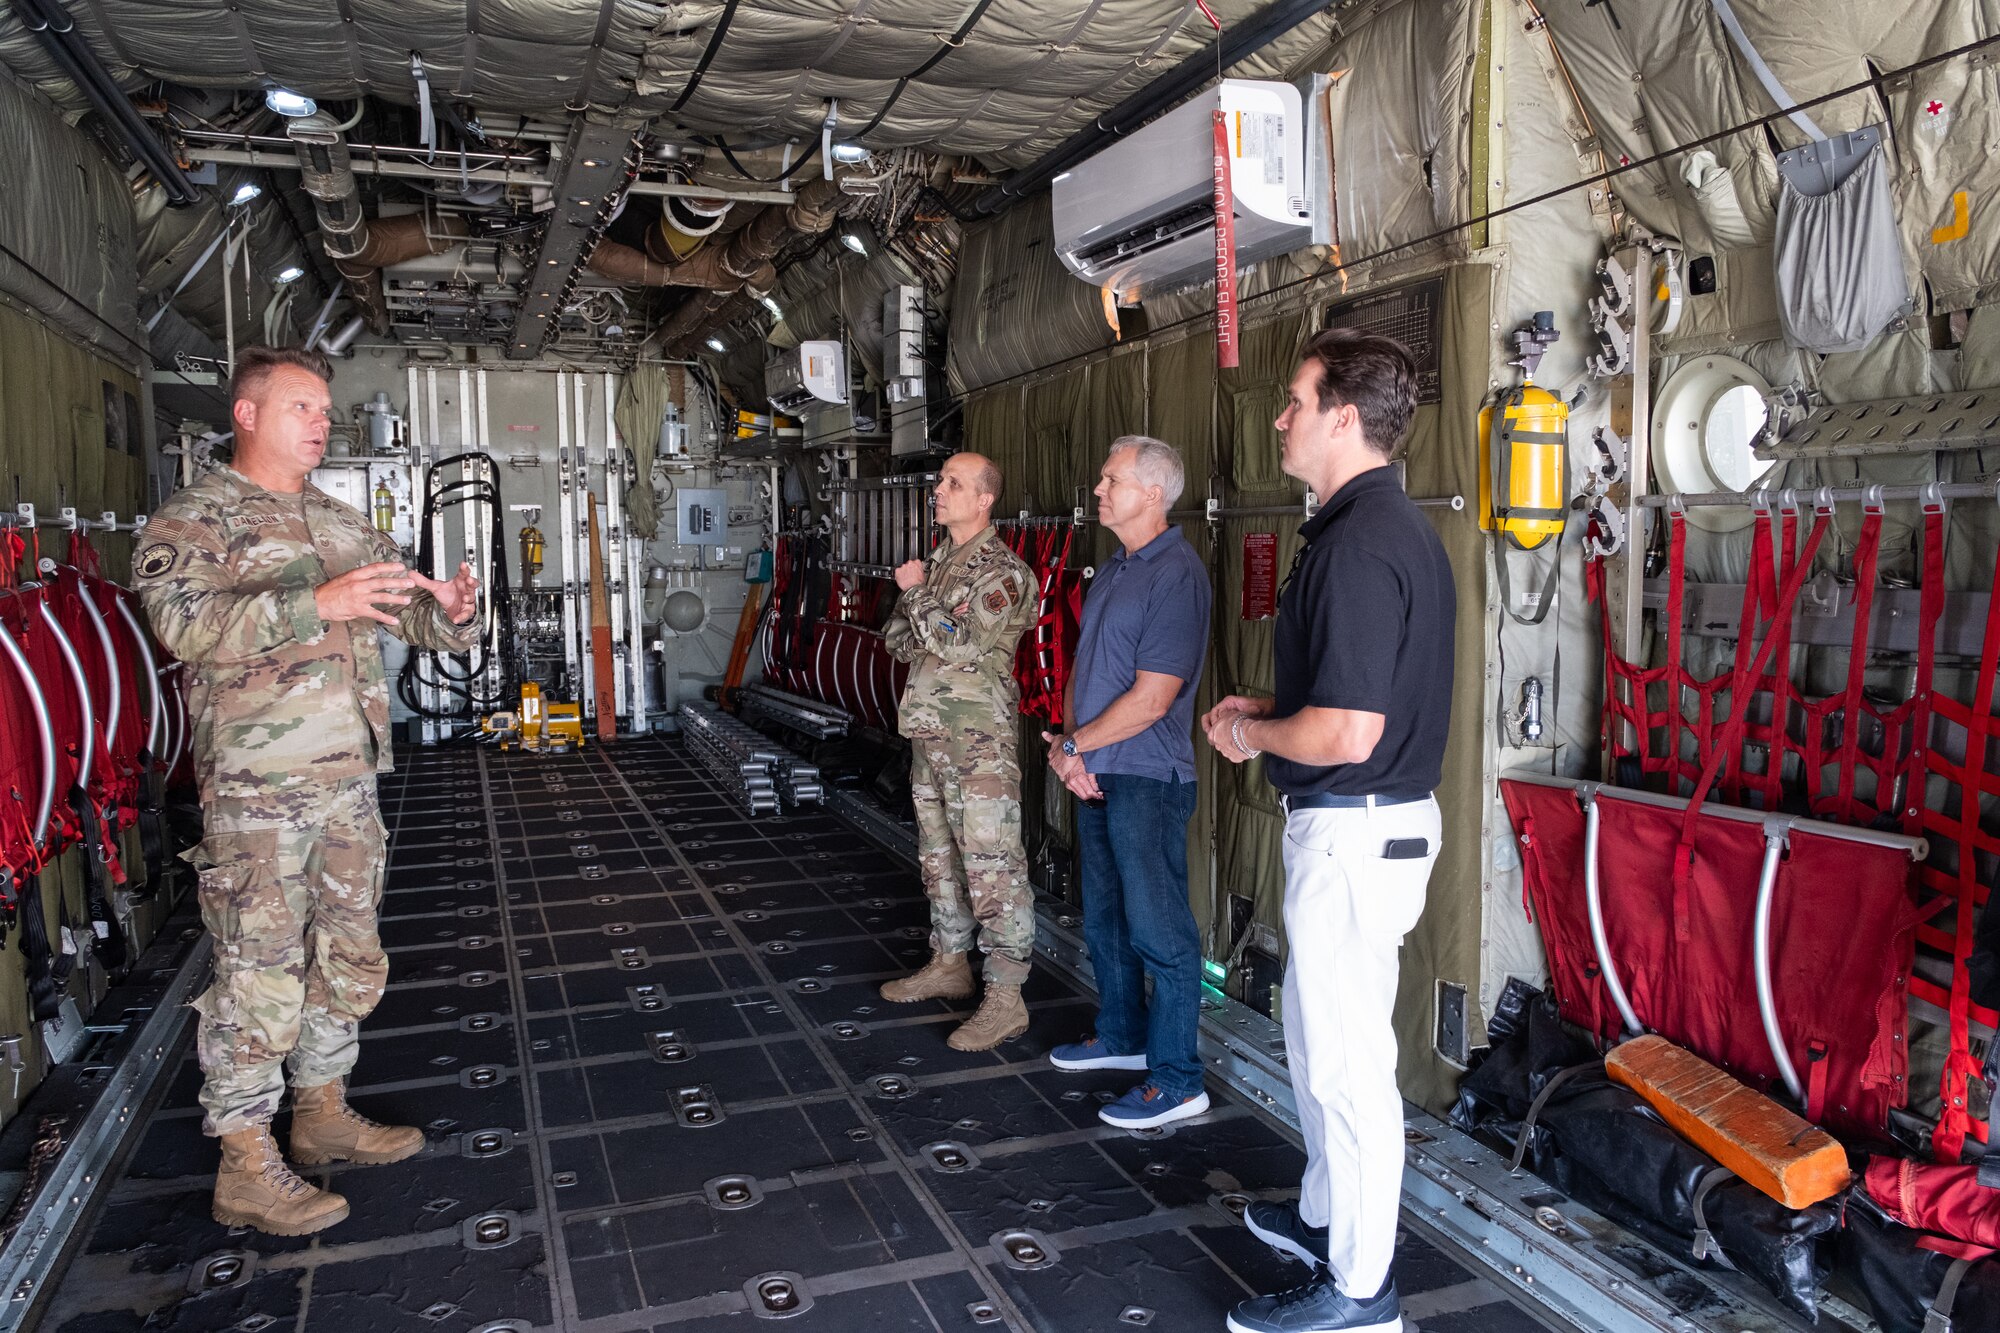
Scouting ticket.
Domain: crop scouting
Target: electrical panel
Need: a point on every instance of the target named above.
(903, 367)
(701, 516)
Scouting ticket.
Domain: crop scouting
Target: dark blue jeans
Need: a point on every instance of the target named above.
(1136, 920)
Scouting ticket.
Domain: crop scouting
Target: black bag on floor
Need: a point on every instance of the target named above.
(1601, 1144)
(1902, 1281)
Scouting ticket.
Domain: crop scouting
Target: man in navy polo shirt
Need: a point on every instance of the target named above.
(1362, 663)
(1129, 758)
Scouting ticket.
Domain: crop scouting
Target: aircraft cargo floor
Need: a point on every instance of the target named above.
(642, 1032)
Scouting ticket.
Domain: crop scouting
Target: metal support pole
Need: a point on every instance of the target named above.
(1775, 837)
(1631, 419)
(565, 542)
(1593, 893)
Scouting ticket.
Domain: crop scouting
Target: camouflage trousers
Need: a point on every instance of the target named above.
(968, 800)
(290, 884)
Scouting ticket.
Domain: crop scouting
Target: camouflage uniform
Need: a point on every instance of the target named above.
(959, 629)
(291, 724)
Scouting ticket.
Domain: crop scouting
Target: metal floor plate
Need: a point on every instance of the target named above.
(642, 1034)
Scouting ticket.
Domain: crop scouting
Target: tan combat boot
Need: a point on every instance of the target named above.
(947, 976)
(1001, 1017)
(254, 1188)
(326, 1129)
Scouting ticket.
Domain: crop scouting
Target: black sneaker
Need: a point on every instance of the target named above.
(1279, 1226)
(1319, 1307)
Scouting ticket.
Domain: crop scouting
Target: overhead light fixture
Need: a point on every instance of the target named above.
(771, 305)
(853, 241)
(244, 194)
(288, 103)
(849, 152)
(289, 273)
(717, 345)
(592, 162)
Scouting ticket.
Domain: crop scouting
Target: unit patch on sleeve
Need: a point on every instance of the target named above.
(154, 561)
(998, 600)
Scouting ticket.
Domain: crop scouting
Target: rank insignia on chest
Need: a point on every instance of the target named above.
(154, 561)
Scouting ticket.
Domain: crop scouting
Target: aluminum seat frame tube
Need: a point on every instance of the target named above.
(44, 727)
(88, 756)
(156, 707)
(1593, 894)
(114, 706)
(1767, 1002)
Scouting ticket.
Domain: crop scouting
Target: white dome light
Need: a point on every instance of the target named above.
(288, 103)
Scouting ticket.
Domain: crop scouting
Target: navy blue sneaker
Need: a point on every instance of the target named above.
(1147, 1107)
(1279, 1226)
(1090, 1053)
(1319, 1307)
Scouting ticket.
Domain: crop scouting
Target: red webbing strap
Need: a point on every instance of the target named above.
(1948, 1139)
(1758, 597)
(82, 554)
(1815, 1081)
(1676, 678)
(1852, 702)
(1732, 731)
(12, 549)
(1930, 608)
(1781, 665)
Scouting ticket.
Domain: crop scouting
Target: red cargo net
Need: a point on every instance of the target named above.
(1696, 734)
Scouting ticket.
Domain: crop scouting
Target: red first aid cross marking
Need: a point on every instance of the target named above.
(1934, 108)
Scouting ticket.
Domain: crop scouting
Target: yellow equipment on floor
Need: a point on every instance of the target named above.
(539, 725)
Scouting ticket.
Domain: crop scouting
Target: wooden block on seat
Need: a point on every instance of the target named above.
(1795, 1162)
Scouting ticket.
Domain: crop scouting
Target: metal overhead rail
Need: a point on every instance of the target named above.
(595, 166)
(1765, 500)
(533, 172)
(52, 25)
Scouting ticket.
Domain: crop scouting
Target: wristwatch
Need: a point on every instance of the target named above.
(1069, 746)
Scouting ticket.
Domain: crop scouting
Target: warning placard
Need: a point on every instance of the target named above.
(1260, 575)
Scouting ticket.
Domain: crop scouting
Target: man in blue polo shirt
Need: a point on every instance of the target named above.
(1129, 758)
(1354, 742)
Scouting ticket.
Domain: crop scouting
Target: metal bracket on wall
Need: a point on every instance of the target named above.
(1968, 419)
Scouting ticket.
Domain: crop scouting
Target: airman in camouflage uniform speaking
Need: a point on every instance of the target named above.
(957, 622)
(270, 591)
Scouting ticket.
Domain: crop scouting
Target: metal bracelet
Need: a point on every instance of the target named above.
(1237, 737)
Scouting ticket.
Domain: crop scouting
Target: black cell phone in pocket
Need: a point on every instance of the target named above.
(1406, 849)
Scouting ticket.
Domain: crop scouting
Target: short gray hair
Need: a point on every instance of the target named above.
(1158, 464)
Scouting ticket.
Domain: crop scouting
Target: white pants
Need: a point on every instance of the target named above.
(1347, 908)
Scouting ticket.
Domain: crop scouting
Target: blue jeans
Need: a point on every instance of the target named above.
(1136, 920)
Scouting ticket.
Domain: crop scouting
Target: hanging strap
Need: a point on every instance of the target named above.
(1930, 608)
(44, 1000)
(1544, 600)
(1955, 1120)
(1852, 701)
(1705, 1246)
(1556, 1080)
(1784, 100)
(1732, 731)
(1937, 1315)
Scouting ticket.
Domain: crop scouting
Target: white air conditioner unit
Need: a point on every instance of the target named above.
(812, 373)
(1139, 217)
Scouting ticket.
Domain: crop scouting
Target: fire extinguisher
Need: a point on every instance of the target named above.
(1524, 467)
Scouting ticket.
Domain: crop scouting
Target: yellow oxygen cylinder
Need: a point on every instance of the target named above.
(385, 507)
(1524, 469)
(1524, 466)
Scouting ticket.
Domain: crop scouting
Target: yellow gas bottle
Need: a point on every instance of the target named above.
(532, 546)
(1524, 466)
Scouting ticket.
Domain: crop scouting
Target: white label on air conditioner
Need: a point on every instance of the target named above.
(1260, 137)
